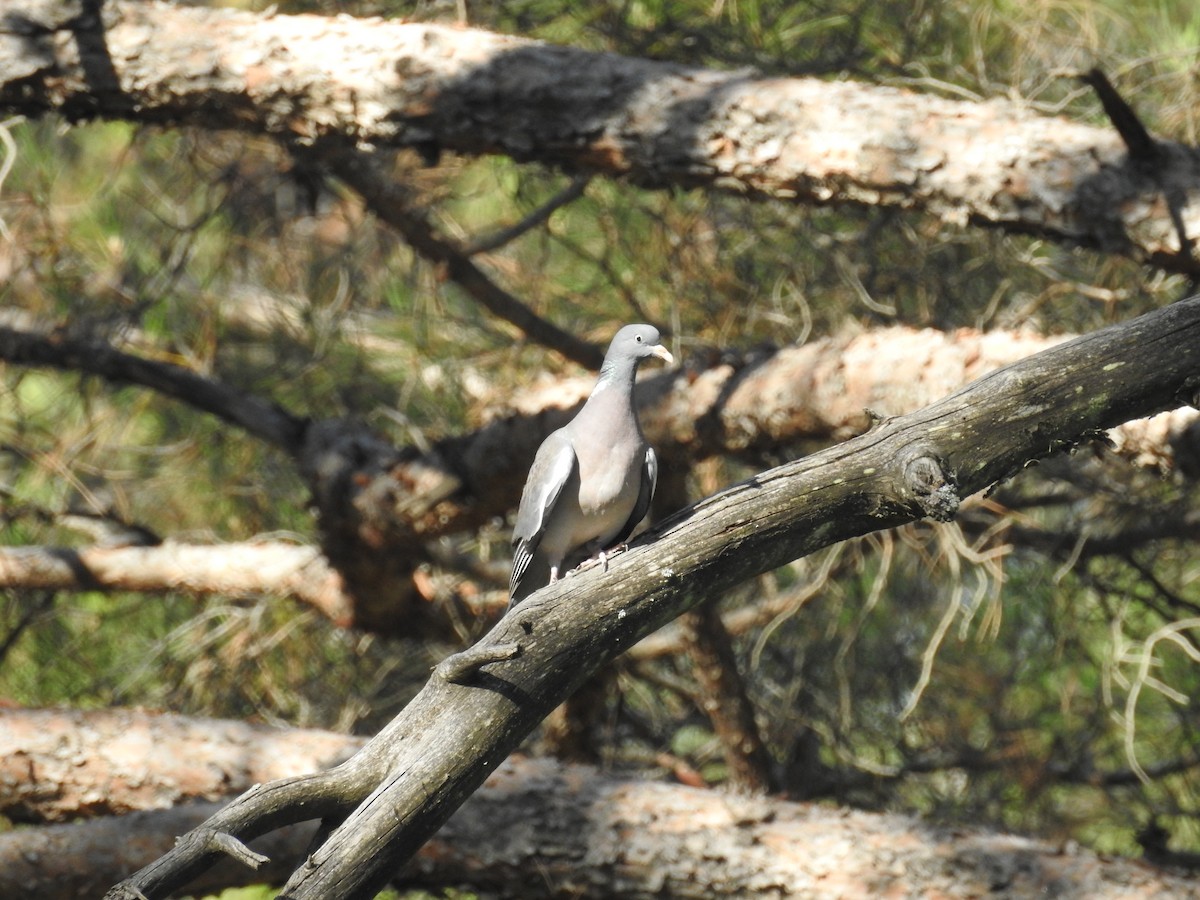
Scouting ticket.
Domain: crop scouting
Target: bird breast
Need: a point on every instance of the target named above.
(609, 479)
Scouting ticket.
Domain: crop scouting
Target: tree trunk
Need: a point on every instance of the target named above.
(388, 83)
(62, 764)
(541, 829)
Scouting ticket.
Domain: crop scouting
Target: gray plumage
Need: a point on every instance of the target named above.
(592, 480)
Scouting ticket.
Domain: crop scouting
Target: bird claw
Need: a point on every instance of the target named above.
(601, 558)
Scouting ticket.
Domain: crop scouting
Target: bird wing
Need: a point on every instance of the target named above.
(552, 468)
(645, 495)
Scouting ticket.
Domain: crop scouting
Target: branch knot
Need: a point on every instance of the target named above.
(935, 490)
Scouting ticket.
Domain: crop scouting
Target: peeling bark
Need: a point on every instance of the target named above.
(57, 765)
(390, 83)
(589, 835)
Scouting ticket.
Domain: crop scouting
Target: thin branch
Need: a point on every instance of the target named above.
(1152, 155)
(392, 203)
(539, 216)
(263, 419)
(1142, 146)
(723, 699)
(231, 846)
(44, 601)
(461, 667)
(1160, 525)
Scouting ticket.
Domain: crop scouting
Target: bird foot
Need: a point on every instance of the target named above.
(601, 558)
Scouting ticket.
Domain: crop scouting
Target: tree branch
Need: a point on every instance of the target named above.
(393, 84)
(1148, 153)
(336, 457)
(392, 203)
(264, 420)
(438, 751)
(1142, 146)
(268, 567)
(755, 406)
(723, 699)
(379, 504)
(497, 239)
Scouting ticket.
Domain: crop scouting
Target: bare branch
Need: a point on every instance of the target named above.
(539, 216)
(36, 609)
(263, 419)
(724, 700)
(392, 202)
(1144, 150)
(1141, 145)
(231, 846)
(267, 567)
(460, 667)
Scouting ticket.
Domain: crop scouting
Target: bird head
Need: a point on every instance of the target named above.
(637, 342)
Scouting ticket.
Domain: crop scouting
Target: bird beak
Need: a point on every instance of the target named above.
(662, 353)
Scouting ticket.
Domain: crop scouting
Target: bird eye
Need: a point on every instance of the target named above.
(639, 338)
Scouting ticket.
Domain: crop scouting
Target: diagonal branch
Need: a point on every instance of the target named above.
(1141, 144)
(539, 216)
(1145, 151)
(442, 746)
(392, 203)
(265, 420)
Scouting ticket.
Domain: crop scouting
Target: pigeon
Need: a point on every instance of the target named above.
(592, 480)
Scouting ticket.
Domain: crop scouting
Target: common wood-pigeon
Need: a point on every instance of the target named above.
(592, 480)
